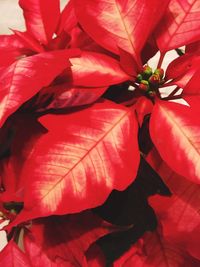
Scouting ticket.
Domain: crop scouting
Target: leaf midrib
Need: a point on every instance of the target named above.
(179, 129)
(9, 90)
(85, 155)
(125, 27)
(180, 24)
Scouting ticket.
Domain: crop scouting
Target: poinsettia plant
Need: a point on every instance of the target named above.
(99, 151)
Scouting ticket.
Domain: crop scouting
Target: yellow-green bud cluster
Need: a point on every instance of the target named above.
(149, 81)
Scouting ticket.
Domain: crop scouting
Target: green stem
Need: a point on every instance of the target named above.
(180, 52)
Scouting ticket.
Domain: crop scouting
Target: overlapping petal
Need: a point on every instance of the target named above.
(154, 251)
(12, 256)
(180, 25)
(79, 161)
(25, 77)
(117, 23)
(175, 130)
(71, 237)
(41, 18)
(96, 70)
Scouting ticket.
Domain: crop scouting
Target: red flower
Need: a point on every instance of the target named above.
(66, 156)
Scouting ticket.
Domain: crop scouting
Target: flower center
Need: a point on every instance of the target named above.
(149, 81)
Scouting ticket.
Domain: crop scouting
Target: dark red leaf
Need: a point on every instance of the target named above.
(175, 130)
(95, 257)
(24, 78)
(41, 18)
(149, 50)
(128, 64)
(11, 166)
(154, 251)
(114, 24)
(193, 47)
(67, 237)
(65, 96)
(96, 70)
(61, 41)
(179, 214)
(180, 25)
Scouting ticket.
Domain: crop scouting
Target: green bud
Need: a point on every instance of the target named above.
(146, 72)
(144, 82)
(152, 94)
(13, 211)
(139, 78)
(159, 72)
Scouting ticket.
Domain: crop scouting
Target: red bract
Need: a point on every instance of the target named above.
(180, 25)
(182, 71)
(119, 24)
(25, 78)
(68, 19)
(12, 256)
(66, 96)
(94, 69)
(71, 237)
(40, 259)
(76, 164)
(179, 214)
(94, 257)
(81, 115)
(154, 251)
(177, 134)
(192, 87)
(12, 189)
(10, 50)
(41, 18)
(193, 47)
